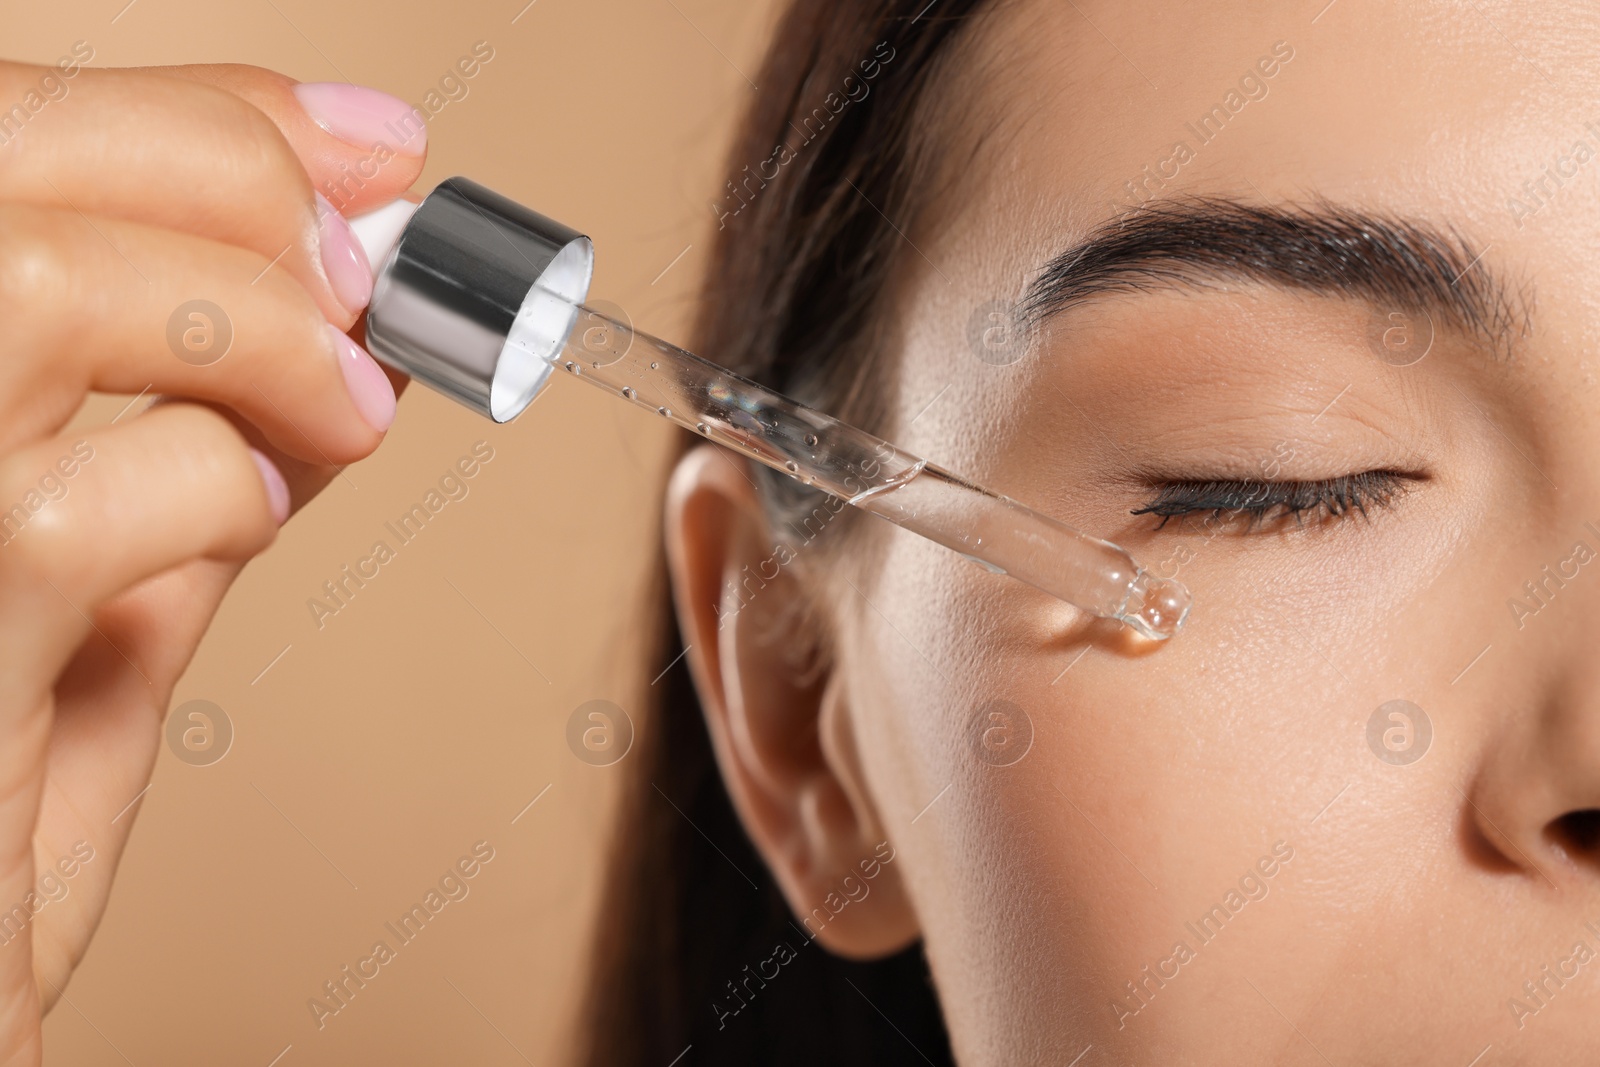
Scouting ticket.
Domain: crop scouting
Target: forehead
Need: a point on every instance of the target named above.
(1053, 118)
(1112, 101)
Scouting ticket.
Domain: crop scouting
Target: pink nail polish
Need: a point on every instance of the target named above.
(369, 387)
(277, 488)
(364, 117)
(343, 259)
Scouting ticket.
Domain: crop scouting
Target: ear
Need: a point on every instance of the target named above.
(777, 713)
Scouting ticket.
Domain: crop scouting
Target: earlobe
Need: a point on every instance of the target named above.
(777, 712)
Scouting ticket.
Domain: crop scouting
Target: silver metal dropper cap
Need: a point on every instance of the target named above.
(478, 297)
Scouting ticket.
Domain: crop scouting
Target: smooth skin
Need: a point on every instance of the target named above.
(1408, 909)
(141, 190)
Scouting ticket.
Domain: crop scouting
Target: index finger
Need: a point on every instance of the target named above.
(323, 122)
(226, 153)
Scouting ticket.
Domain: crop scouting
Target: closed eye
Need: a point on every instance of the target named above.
(1265, 503)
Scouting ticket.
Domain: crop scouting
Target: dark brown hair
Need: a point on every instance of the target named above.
(794, 293)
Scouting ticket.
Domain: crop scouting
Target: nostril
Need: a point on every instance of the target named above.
(1578, 833)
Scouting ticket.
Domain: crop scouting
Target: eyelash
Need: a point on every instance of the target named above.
(1327, 499)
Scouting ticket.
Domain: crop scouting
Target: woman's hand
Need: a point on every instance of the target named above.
(125, 195)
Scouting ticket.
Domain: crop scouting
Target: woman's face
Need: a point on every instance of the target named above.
(1341, 817)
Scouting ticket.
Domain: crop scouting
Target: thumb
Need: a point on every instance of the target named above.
(361, 147)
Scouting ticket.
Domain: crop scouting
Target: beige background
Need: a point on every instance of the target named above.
(376, 751)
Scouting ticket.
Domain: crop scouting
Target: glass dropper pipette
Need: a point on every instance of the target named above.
(992, 530)
(482, 299)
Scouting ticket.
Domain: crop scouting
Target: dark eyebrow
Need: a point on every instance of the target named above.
(1392, 263)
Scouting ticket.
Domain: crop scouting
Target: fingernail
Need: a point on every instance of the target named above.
(364, 117)
(277, 488)
(343, 258)
(369, 386)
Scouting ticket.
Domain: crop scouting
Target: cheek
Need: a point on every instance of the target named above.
(1000, 745)
(1063, 804)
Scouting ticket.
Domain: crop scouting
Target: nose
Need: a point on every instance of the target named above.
(1535, 801)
